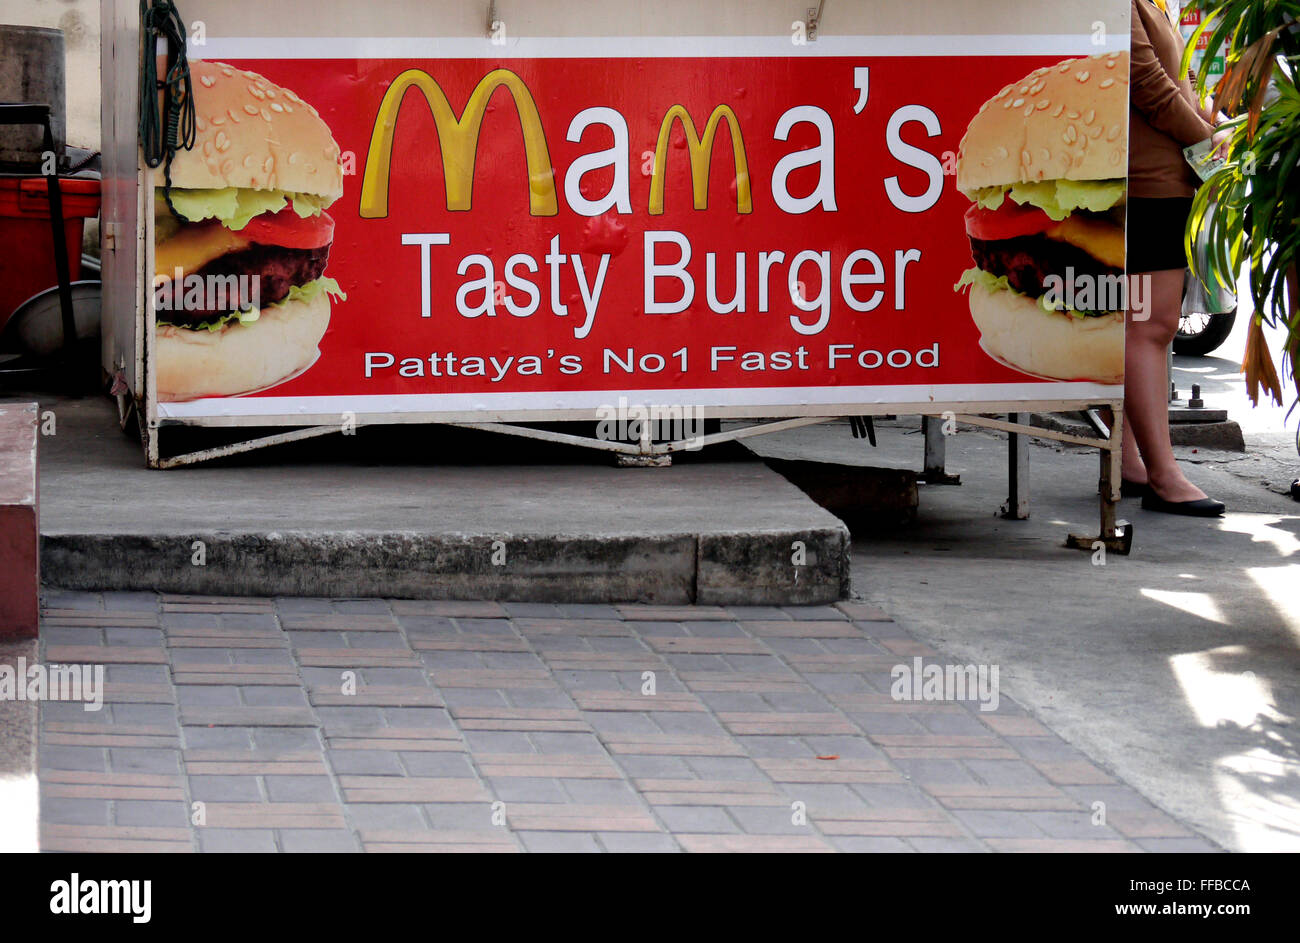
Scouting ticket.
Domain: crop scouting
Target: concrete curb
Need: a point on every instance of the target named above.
(719, 568)
(760, 568)
(1225, 436)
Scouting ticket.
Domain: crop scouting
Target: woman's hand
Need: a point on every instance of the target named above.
(1221, 140)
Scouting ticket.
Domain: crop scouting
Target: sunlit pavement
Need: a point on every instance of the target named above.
(1177, 667)
(351, 725)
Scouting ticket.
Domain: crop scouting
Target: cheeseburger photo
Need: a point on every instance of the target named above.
(1045, 161)
(241, 298)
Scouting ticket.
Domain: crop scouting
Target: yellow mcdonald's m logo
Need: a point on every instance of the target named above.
(458, 138)
(700, 151)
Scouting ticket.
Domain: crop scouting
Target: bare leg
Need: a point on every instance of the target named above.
(1146, 385)
(1131, 465)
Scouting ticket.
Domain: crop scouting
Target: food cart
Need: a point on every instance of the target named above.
(500, 214)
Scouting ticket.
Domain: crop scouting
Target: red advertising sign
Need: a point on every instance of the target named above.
(552, 233)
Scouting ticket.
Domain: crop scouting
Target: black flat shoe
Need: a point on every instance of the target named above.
(1202, 507)
(1133, 489)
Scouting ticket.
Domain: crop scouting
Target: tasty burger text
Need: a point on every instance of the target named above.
(678, 274)
(675, 280)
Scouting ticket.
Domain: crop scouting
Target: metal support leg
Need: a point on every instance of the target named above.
(936, 448)
(1017, 506)
(1116, 535)
(149, 436)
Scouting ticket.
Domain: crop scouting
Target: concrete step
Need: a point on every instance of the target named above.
(360, 519)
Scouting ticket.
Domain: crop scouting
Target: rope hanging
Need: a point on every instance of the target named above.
(160, 20)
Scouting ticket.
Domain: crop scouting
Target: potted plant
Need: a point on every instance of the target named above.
(1249, 210)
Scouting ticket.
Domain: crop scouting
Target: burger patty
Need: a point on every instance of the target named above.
(276, 269)
(1027, 261)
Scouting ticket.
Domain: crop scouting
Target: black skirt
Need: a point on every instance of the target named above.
(1155, 233)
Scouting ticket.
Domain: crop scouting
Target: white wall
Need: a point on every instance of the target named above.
(79, 20)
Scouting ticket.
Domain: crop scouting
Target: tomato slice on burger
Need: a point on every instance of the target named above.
(289, 230)
(1008, 221)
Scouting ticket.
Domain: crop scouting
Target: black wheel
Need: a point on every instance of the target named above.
(1198, 334)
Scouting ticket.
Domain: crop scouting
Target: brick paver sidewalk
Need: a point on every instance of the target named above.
(349, 725)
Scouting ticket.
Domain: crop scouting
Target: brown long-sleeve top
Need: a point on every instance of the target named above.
(1164, 115)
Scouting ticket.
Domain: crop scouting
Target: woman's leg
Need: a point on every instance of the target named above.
(1146, 384)
(1131, 466)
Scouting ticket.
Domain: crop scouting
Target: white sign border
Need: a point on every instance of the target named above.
(653, 47)
(721, 398)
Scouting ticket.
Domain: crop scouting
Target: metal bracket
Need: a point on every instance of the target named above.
(814, 19)
(126, 404)
(190, 458)
(1099, 425)
(492, 18)
(639, 455)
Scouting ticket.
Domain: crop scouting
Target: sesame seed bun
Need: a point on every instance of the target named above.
(1017, 331)
(1067, 121)
(240, 358)
(254, 134)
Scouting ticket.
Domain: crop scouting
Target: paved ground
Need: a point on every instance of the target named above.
(231, 712)
(1177, 667)
(19, 790)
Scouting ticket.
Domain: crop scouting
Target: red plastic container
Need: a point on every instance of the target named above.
(26, 243)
